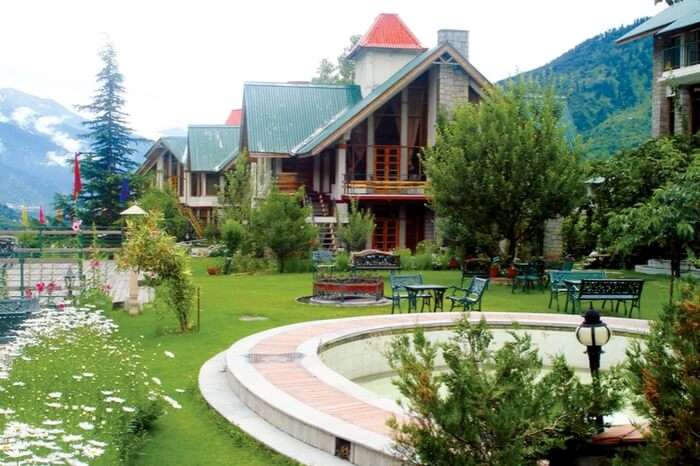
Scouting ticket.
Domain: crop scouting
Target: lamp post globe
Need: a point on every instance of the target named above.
(593, 333)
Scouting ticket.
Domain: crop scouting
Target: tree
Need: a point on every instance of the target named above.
(232, 235)
(236, 193)
(281, 224)
(165, 201)
(670, 219)
(499, 169)
(358, 229)
(151, 249)
(664, 374)
(111, 143)
(341, 73)
(490, 407)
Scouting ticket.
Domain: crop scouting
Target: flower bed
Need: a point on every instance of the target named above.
(73, 392)
(347, 287)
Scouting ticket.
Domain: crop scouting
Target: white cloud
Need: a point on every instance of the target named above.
(45, 125)
(3, 118)
(23, 116)
(53, 159)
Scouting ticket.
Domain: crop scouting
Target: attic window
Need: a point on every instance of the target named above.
(446, 59)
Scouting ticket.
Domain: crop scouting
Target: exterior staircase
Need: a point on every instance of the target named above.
(194, 221)
(320, 204)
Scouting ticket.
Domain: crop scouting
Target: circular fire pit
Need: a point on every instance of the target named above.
(333, 290)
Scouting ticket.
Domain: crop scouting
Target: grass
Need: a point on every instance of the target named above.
(195, 435)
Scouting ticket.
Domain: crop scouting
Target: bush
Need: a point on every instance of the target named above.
(211, 233)
(358, 229)
(76, 388)
(298, 265)
(423, 261)
(490, 407)
(248, 263)
(342, 261)
(166, 201)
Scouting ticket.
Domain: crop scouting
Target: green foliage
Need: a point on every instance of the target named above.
(232, 235)
(664, 374)
(342, 72)
(151, 249)
(111, 142)
(280, 224)
(358, 229)
(501, 168)
(236, 194)
(165, 200)
(211, 233)
(490, 407)
(607, 88)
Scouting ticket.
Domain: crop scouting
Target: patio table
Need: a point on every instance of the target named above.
(437, 292)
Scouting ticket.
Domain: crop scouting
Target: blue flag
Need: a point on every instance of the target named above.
(124, 192)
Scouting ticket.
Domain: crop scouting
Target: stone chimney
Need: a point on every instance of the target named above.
(457, 38)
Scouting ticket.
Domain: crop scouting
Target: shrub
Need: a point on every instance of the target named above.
(75, 388)
(342, 261)
(423, 261)
(358, 229)
(232, 235)
(165, 200)
(211, 233)
(490, 407)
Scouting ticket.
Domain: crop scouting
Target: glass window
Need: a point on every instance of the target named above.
(212, 184)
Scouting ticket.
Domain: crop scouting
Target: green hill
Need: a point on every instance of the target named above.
(9, 218)
(607, 88)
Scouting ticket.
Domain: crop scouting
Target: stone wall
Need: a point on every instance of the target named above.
(553, 248)
(659, 102)
(453, 86)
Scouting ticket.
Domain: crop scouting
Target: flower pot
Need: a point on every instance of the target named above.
(512, 272)
(213, 270)
(494, 271)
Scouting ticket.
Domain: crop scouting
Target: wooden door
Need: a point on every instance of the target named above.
(387, 162)
(386, 233)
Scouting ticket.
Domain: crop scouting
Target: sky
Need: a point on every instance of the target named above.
(185, 62)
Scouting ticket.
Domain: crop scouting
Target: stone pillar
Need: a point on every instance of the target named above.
(403, 163)
(453, 86)
(159, 172)
(188, 188)
(553, 247)
(402, 226)
(432, 104)
(370, 147)
(317, 173)
(340, 164)
(660, 105)
(682, 113)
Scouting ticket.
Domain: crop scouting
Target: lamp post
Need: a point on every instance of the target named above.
(70, 281)
(132, 302)
(593, 333)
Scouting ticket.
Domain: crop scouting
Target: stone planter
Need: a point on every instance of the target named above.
(342, 288)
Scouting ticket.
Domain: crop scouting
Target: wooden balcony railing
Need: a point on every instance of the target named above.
(288, 183)
(387, 177)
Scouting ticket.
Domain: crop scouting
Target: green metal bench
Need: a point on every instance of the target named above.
(13, 312)
(469, 297)
(398, 290)
(323, 260)
(619, 291)
(557, 278)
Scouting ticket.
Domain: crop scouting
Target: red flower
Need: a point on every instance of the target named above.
(28, 293)
(40, 287)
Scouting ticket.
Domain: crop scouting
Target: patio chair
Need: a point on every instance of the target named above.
(398, 290)
(469, 297)
(528, 275)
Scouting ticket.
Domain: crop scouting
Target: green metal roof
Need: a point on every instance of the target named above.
(211, 147)
(177, 145)
(278, 117)
(675, 12)
(682, 23)
(315, 138)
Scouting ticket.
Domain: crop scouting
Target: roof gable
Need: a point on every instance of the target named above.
(279, 116)
(388, 31)
(665, 19)
(211, 147)
(234, 118)
(324, 136)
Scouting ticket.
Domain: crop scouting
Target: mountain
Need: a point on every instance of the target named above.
(37, 138)
(9, 218)
(607, 88)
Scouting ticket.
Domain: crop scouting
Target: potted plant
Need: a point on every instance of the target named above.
(214, 270)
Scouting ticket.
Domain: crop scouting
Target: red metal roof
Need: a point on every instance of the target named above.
(234, 118)
(388, 31)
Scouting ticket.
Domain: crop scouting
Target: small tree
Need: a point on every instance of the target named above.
(165, 200)
(490, 407)
(151, 249)
(341, 73)
(664, 374)
(500, 169)
(236, 193)
(281, 223)
(358, 229)
(232, 235)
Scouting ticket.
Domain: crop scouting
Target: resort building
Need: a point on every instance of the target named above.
(676, 67)
(360, 141)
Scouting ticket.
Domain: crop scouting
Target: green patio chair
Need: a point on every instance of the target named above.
(469, 297)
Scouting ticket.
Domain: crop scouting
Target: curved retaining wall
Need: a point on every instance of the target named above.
(280, 376)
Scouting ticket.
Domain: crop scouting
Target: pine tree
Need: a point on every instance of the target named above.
(111, 142)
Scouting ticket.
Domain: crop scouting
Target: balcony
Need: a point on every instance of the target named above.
(386, 178)
(682, 63)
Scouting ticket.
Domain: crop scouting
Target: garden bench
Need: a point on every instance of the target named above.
(399, 292)
(471, 296)
(618, 290)
(557, 278)
(374, 260)
(13, 312)
(322, 260)
(475, 268)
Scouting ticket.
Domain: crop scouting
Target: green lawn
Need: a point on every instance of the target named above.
(195, 435)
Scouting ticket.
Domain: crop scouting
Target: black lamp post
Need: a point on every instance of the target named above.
(593, 333)
(70, 281)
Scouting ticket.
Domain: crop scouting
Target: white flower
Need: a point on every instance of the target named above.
(55, 395)
(172, 402)
(53, 405)
(7, 411)
(89, 409)
(72, 438)
(86, 426)
(128, 409)
(180, 390)
(114, 399)
(88, 374)
(49, 422)
(156, 380)
(92, 452)
(169, 354)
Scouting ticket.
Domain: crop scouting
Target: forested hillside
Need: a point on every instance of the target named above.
(607, 88)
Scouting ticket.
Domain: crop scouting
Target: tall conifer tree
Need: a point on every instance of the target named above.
(111, 143)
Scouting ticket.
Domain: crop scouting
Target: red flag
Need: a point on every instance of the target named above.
(77, 184)
(42, 219)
